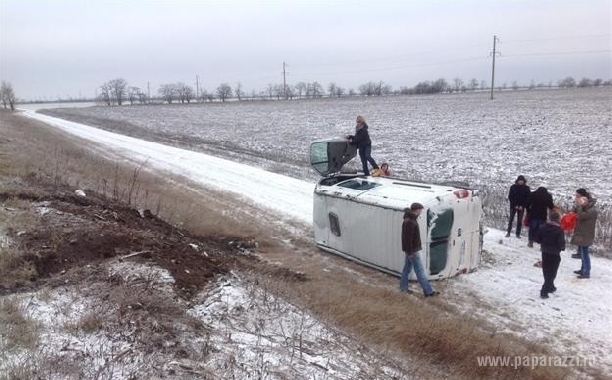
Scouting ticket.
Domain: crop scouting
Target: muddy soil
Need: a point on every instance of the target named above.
(68, 231)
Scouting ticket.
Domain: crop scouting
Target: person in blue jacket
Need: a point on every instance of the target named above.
(361, 139)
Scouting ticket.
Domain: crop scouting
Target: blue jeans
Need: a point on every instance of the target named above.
(534, 224)
(365, 153)
(414, 260)
(586, 260)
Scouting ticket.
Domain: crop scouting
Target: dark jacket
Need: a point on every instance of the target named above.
(519, 195)
(361, 138)
(411, 236)
(540, 201)
(586, 216)
(551, 238)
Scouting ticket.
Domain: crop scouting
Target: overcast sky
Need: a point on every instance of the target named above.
(51, 49)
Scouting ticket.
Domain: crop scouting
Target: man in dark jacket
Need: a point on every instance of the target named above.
(551, 238)
(518, 197)
(411, 245)
(362, 141)
(540, 201)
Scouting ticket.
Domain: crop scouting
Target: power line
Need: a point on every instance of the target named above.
(392, 67)
(559, 53)
(559, 38)
(400, 57)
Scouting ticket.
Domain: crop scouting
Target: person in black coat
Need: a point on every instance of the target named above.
(362, 141)
(551, 238)
(518, 197)
(540, 201)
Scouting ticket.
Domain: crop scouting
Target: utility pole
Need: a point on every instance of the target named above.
(284, 82)
(495, 39)
(197, 88)
(148, 91)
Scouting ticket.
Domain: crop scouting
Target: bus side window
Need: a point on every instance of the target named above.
(334, 224)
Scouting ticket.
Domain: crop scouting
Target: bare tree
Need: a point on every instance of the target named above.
(207, 96)
(290, 92)
(118, 89)
(440, 85)
(184, 92)
(515, 85)
(367, 89)
(278, 91)
(458, 83)
(105, 94)
(167, 92)
(270, 90)
(7, 94)
(332, 89)
(133, 94)
(189, 94)
(315, 89)
(567, 82)
(483, 84)
(585, 82)
(238, 91)
(473, 84)
(224, 91)
(300, 88)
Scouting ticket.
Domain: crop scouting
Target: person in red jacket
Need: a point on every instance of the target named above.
(411, 245)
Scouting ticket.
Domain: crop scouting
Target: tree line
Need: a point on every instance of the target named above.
(118, 92)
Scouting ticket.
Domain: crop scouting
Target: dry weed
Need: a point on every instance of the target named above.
(17, 330)
(14, 269)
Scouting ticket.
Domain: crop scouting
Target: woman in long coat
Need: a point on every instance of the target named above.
(584, 233)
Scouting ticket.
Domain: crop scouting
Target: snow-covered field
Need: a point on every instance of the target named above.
(574, 321)
(557, 138)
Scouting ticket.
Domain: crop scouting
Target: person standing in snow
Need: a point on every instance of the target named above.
(411, 245)
(518, 197)
(551, 238)
(361, 139)
(584, 233)
(540, 201)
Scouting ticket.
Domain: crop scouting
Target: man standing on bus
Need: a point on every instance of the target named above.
(411, 245)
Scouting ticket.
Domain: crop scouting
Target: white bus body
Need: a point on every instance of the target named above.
(360, 217)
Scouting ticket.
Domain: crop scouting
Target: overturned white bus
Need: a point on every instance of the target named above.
(360, 217)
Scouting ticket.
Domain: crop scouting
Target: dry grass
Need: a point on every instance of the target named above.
(409, 324)
(17, 331)
(14, 269)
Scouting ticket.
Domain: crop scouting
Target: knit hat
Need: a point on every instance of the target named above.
(554, 216)
(582, 192)
(416, 206)
(521, 178)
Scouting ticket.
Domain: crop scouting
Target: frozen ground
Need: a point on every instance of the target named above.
(574, 321)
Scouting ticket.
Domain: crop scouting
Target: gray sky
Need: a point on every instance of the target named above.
(51, 49)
